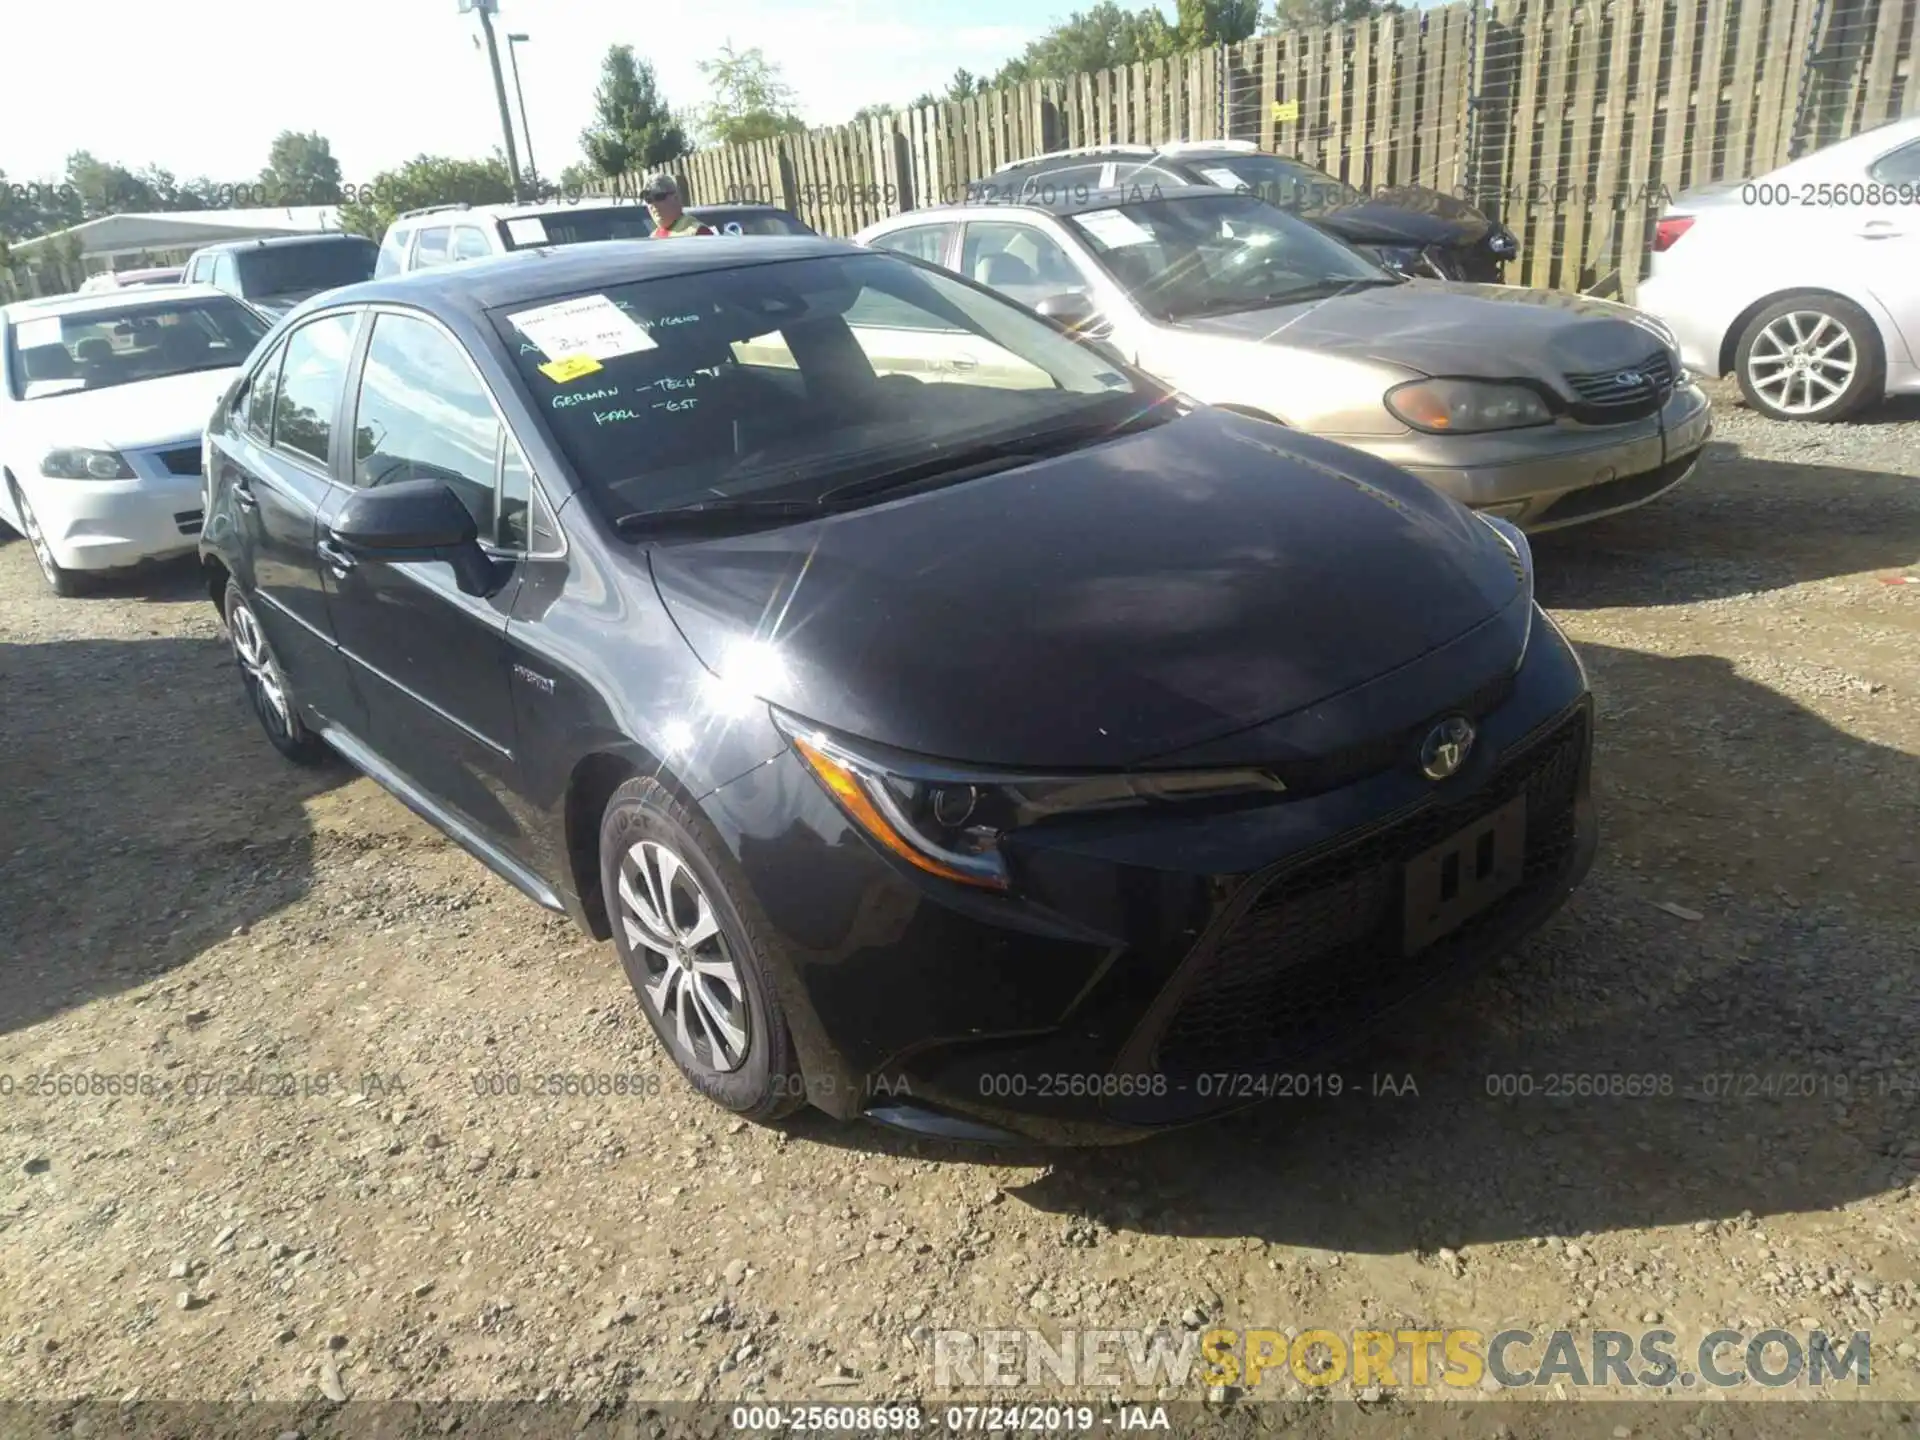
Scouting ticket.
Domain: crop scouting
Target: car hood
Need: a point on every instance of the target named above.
(1099, 608)
(127, 417)
(1407, 215)
(1438, 328)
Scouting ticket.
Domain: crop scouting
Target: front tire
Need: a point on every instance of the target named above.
(62, 581)
(266, 685)
(694, 947)
(1815, 358)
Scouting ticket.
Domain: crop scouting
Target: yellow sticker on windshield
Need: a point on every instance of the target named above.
(569, 367)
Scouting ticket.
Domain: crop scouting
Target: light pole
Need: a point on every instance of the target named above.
(514, 42)
(486, 9)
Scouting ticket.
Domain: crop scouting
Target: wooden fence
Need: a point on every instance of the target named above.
(1573, 121)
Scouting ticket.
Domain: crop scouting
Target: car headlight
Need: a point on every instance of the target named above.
(1501, 242)
(79, 463)
(1462, 407)
(949, 820)
(1520, 556)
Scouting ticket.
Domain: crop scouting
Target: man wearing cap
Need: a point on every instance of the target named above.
(662, 192)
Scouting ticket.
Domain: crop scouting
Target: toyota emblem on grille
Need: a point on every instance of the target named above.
(1446, 747)
(1629, 380)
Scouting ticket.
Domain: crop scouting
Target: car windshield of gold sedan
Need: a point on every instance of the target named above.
(782, 382)
(1212, 254)
(150, 340)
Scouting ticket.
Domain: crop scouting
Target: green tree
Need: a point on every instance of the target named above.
(750, 100)
(632, 127)
(105, 189)
(1095, 39)
(965, 84)
(1216, 22)
(426, 180)
(1303, 14)
(301, 170)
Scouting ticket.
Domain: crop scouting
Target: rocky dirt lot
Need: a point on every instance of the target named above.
(178, 904)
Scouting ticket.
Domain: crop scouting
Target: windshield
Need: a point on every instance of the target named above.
(784, 381)
(59, 354)
(1287, 184)
(1212, 254)
(298, 269)
(574, 226)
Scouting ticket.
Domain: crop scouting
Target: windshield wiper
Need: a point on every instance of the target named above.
(717, 514)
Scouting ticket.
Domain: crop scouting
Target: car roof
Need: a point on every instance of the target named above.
(474, 287)
(514, 209)
(1064, 205)
(281, 242)
(115, 299)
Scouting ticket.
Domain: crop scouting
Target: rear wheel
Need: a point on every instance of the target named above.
(694, 946)
(1810, 357)
(61, 580)
(266, 685)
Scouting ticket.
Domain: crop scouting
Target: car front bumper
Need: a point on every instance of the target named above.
(109, 524)
(1552, 476)
(1154, 969)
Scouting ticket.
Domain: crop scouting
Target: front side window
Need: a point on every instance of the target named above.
(224, 275)
(1020, 261)
(310, 383)
(469, 244)
(432, 247)
(786, 380)
(1216, 254)
(423, 414)
(393, 252)
(99, 349)
(260, 394)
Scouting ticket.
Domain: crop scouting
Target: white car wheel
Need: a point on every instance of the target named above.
(1811, 358)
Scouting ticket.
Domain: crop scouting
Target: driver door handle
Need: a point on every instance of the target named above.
(244, 497)
(337, 559)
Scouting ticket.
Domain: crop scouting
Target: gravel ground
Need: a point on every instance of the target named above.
(176, 902)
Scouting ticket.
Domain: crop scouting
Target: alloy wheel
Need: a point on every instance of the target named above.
(42, 551)
(256, 664)
(1802, 362)
(692, 980)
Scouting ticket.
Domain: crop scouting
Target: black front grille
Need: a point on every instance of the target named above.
(188, 521)
(1626, 393)
(1614, 493)
(184, 461)
(1320, 950)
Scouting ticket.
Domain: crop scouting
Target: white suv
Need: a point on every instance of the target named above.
(443, 234)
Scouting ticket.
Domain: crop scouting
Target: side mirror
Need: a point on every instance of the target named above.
(416, 520)
(1073, 310)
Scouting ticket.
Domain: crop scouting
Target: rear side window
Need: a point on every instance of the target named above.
(1902, 167)
(470, 244)
(310, 382)
(393, 252)
(922, 242)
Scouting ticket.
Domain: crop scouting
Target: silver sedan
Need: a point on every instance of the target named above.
(1545, 409)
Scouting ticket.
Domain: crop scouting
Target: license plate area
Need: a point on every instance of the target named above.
(1455, 880)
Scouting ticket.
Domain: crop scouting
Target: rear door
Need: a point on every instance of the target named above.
(431, 661)
(1888, 239)
(274, 467)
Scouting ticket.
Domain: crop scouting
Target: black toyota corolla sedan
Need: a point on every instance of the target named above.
(946, 724)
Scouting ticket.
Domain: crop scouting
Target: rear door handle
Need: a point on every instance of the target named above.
(1880, 230)
(338, 560)
(244, 497)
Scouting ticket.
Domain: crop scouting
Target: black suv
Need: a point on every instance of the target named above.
(274, 275)
(928, 706)
(1408, 228)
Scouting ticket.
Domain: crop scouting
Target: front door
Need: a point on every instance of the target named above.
(432, 662)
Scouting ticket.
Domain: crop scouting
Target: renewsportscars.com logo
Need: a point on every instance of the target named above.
(1453, 1359)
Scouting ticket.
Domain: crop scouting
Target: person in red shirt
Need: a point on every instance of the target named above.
(662, 193)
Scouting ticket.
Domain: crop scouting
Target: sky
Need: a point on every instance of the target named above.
(201, 87)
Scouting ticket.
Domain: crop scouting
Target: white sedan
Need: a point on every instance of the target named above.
(1805, 283)
(103, 402)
